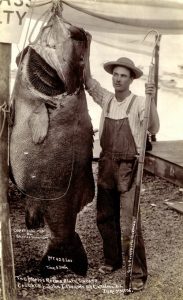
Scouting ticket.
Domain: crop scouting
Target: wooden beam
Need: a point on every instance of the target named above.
(7, 261)
(164, 169)
(176, 205)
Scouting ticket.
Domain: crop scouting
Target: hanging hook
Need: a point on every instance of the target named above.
(151, 67)
(156, 41)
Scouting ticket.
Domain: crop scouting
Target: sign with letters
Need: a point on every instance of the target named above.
(13, 14)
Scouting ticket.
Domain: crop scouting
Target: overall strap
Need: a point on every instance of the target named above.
(109, 105)
(128, 108)
(130, 105)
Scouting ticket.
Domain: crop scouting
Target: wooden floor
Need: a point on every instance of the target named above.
(165, 160)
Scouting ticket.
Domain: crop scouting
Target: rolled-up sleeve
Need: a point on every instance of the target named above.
(99, 94)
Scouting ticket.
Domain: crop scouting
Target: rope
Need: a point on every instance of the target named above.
(4, 110)
(40, 4)
(19, 66)
(13, 91)
(56, 198)
(46, 15)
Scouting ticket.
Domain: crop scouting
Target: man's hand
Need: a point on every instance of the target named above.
(150, 89)
(88, 43)
(153, 126)
(89, 38)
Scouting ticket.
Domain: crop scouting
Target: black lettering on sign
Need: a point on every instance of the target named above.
(8, 2)
(28, 5)
(18, 2)
(8, 12)
(20, 17)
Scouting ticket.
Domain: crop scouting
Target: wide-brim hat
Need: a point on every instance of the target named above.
(123, 62)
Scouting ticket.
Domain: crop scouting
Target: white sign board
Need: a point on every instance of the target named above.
(13, 14)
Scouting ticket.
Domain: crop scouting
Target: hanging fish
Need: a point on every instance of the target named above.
(52, 138)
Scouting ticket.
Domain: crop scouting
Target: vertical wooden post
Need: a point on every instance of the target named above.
(7, 261)
(156, 73)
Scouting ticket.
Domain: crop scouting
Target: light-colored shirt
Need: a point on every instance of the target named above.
(118, 109)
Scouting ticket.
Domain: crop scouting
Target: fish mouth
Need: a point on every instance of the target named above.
(43, 77)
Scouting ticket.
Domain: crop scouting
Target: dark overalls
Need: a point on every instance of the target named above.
(116, 187)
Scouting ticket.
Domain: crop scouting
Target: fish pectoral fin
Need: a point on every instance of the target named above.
(38, 123)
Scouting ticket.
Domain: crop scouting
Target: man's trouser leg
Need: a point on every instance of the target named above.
(139, 263)
(108, 222)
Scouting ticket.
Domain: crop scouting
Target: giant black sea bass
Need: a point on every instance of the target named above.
(51, 140)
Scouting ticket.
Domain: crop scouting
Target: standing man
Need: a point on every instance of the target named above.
(119, 131)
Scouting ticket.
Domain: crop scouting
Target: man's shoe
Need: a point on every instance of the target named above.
(107, 269)
(137, 285)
